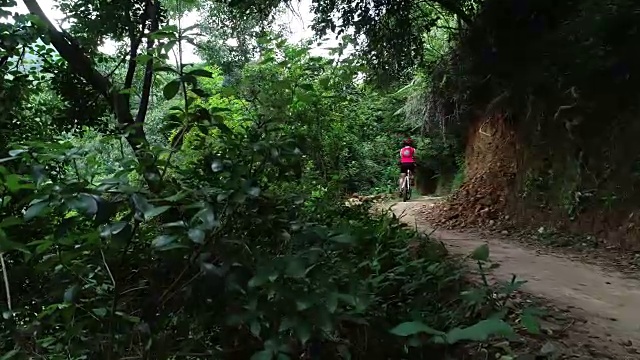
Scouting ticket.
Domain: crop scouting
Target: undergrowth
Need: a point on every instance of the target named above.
(226, 271)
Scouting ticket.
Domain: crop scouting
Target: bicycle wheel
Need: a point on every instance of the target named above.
(406, 187)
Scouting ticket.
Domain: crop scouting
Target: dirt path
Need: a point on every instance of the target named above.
(607, 302)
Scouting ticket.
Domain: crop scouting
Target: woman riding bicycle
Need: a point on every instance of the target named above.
(407, 159)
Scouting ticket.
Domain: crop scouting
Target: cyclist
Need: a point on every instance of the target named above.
(407, 159)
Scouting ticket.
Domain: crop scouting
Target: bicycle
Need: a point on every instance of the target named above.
(405, 190)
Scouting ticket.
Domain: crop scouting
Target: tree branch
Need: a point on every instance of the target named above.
(152, 11)
(78, 61)
(135, 44)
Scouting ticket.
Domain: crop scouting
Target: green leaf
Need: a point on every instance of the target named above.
(218, 109)
(13, 183)
(16, 152)
(530, 322)
(258, 280)
(171, 89)
(480, 331)
(71, 293)
(254, 191)
(201, 72)
(413, 328)
(101, 312)
(133, 319)
(176, 197)
(112, 229)
(11, 221)
(178, 223)
(295, 268)
(43, 247)
(303, 331)
(84, 204)
(324, 82)
(155, 211)
(197, 236)
(207, 217)
(36, 210)
(306, 86)
(343, 239)
(140, 203)
(263, 355)
(143, 58)
(303, 304)
(332, 302)
(9, 355)
(162, 68)
(7, 245)
(481, 253)
(255, 328)
(163, 241)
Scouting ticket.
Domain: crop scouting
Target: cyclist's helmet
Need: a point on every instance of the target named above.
(407, 142)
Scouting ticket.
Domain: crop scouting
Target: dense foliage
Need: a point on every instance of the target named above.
(156, 210)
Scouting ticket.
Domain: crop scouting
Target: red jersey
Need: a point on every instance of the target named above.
(406, 154)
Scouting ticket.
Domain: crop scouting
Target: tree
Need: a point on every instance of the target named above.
(388, 34)
(137, 23)
(230, 42)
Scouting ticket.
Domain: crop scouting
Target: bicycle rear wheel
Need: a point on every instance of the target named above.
(406, 187)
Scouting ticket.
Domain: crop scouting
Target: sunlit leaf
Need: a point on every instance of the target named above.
(16, 152)
(36, 210)
(178, 223)
(197, 236)
(217, 166)
(163, 241)
(254, 191)
(207, 217)
(112, 229)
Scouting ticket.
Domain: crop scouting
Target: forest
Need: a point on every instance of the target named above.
(153, 207)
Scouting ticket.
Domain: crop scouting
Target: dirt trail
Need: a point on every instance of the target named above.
(609, 302)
